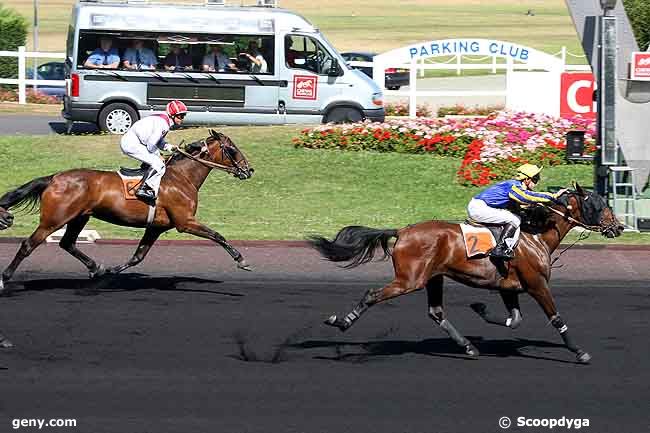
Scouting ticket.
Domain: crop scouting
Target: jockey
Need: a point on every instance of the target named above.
(144, 141)
(490, 206)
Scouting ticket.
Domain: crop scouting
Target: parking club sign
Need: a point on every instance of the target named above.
(640, 66)
(305, 87)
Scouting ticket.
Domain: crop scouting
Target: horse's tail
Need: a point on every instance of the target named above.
(27, 196)
(356, 244)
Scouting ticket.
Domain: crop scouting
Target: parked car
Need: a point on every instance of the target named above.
(49, 71)
(395, 78)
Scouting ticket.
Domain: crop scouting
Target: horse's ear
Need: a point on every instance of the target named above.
(213, 132)
(579, 190)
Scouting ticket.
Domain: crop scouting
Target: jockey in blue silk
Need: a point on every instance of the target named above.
(490, 206)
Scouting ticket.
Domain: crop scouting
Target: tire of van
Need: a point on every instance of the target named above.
(117, 118)
(344, 115)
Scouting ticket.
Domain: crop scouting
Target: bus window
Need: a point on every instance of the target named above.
(303, 52)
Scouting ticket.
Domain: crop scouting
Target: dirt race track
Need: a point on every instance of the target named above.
(186, 343)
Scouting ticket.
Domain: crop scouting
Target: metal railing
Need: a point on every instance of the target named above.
(22, 80)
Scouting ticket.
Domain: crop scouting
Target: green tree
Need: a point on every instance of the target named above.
(13, 28)
(638, 11)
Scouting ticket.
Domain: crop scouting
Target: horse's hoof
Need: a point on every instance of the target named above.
(472, 351)
(101, 270)
(583, 357)
(244, 266)
(5, 343)
(3, 289)
(335, 322)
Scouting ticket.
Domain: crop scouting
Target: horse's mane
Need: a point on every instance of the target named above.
(537, 219)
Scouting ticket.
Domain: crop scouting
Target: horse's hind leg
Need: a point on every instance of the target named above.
(436, 312)
(373, 296)
(26, 248)
(511, 301)
(69, 243)
(151, 234)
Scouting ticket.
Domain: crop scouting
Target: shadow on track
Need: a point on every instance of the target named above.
(439, 347)
(117, 283)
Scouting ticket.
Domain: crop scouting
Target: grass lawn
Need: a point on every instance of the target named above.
(380, 25)
(295, 192)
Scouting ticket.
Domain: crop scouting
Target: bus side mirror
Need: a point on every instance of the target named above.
(334, 70)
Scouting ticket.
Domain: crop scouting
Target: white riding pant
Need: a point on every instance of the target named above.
(479, 211)
(131, 146)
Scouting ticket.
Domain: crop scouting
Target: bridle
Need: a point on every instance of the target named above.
(594, 228)
(235, 169)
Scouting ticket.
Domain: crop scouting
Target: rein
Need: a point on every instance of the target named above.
(573, 220)
(207, 163)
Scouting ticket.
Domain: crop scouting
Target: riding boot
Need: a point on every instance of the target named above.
(145, 192)
(502, 251)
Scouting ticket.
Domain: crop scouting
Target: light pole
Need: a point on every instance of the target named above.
(606, 100)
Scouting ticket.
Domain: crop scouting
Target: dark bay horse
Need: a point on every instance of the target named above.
(71, 197)
(424, 253)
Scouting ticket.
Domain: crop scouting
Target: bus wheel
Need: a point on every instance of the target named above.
(117, 118)
(344, 115)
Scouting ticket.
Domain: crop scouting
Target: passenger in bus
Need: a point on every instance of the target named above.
(139, 57)
(217, 61)
(177, 59)
(257, 63)
(104, 57)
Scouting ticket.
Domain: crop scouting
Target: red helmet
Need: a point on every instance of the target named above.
(176, 107)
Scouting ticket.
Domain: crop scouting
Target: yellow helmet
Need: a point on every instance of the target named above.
(528, 170)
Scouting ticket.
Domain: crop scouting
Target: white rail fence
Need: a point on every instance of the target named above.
(458, 63)
(22, 80)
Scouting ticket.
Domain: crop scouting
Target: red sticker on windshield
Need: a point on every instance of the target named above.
(305, 87)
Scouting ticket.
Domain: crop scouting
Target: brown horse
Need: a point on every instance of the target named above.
(426, 252)
(72, 197)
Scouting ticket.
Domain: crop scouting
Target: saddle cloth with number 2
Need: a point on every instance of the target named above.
(478, 240)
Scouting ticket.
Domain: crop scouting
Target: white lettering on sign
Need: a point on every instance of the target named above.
(572, 99)
(577, 95)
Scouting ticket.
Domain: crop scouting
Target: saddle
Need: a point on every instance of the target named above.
(495, 229)
(131, 179)
(480, 238)
(134, 172)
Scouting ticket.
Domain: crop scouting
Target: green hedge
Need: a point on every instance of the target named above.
(638, 11)
(13, 28)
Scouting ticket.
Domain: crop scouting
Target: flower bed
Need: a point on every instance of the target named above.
(461, 110)
(491, 147)
(402, 109)
(32, 97)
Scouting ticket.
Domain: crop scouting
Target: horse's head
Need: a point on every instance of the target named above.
(592, 210)
(221, 150)
(6, 219)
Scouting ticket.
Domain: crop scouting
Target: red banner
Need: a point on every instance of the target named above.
(577, 95)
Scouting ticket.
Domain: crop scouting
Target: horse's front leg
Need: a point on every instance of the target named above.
(195, 228)
(541, 293)
(511, 301)
(151, 234)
